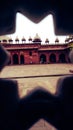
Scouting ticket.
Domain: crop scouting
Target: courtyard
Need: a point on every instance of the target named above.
(31, 76)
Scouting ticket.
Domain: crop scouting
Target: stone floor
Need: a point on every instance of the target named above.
(23, 73)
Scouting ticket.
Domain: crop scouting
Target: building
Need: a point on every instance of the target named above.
(34, 52)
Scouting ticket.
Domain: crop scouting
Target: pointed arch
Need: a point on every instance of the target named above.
(42, 58)
(52, 58)
(22, 59)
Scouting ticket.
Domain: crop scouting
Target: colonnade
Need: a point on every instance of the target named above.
(16, 58)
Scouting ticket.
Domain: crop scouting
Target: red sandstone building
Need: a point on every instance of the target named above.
(34, 52)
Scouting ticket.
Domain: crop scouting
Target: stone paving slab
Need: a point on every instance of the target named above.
(32, 70)
(27, 84)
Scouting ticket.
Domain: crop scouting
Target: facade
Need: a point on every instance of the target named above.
(36, 53)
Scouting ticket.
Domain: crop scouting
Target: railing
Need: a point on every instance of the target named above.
(21, 114)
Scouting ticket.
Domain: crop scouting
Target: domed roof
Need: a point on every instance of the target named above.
(46, 41)
(4, 38)
(57, 40)
(10, 40)
(23, 39)
(17, 39)
(70, 38)
(30, 39)
(67, 40)
(37, 38)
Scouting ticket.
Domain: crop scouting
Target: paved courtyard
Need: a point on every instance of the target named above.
(32, 77)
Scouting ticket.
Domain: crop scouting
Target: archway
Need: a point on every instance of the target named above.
(43, 59)
(21, 59)
(52, 58)
(62, 58)
(15, 59)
